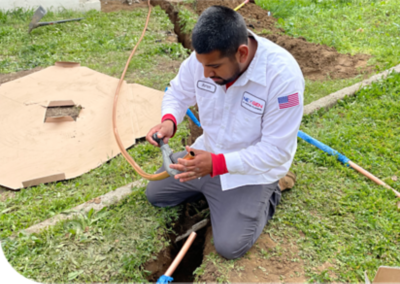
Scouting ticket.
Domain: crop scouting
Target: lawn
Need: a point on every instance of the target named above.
(333, 215)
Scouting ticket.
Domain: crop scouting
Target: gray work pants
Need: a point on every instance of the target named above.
(238, 216)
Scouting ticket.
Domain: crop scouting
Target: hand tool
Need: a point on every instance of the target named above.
(39, 14)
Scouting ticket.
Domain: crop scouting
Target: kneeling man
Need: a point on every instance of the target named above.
(249, 93)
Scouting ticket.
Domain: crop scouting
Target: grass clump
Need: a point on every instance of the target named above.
(187, 19)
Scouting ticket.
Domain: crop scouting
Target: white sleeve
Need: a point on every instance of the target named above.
(181, 94)
(279, 133)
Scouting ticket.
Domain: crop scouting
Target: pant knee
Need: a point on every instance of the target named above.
(151, 194)
(232, 248)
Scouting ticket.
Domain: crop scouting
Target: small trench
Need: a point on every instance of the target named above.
(192, 214)
(172, 12)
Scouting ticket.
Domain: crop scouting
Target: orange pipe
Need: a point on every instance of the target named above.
(372, 177)
(124, 153)
(181, 254)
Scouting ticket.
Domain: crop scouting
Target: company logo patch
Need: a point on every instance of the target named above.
(206, 86)
(252, 103)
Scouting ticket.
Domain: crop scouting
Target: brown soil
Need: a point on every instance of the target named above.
(63, 111)
(193, 213)
(118, 5)
(278, 263)
(195, 131)
(4, 78)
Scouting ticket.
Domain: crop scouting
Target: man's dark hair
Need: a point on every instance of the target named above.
(219, 28)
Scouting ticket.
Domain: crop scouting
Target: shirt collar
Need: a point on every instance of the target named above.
(258, 66)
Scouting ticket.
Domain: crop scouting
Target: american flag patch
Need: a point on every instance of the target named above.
(288, 101)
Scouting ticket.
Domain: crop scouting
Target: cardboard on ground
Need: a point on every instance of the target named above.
(33, 151)
(385, 274)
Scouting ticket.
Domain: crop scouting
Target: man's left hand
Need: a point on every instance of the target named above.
(198, 167)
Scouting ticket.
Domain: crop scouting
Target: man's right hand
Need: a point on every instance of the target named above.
(164, 129)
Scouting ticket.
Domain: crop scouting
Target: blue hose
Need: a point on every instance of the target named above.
(193, 117)
(342, 158)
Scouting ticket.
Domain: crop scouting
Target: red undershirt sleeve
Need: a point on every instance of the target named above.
(219, 165)
(173, 119)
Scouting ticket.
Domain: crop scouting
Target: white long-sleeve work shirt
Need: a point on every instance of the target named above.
(254, 122)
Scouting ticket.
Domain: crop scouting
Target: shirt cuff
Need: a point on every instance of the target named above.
(234, 163)
(173, 119)
(218, 165)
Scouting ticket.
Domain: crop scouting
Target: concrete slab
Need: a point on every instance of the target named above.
(77, 5)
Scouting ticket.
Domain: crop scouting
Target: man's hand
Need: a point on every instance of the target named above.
(164, 129)
(198, 167)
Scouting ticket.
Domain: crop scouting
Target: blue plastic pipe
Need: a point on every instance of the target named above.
(164, 279)
(342, 158)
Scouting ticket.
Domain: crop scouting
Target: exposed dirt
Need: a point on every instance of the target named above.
(195, 131)
(118, 5)
(193, 213)
(4, 78)
(63, 111)
(266, 261)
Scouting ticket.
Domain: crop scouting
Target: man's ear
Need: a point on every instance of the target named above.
(242, 54)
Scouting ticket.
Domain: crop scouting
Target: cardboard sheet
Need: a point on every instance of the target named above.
(385, 274)
(32, 151)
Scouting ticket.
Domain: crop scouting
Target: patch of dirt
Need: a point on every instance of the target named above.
(266, 262)
(72, 111)
(5, 194)
(192, 213)
(195, 131)
(4, 78)
(118, 5)
(318, 62)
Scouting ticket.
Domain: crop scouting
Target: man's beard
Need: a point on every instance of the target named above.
(231, 79)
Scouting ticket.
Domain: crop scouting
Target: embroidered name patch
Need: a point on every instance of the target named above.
(288, 101)
(253, 103)
(206, 86)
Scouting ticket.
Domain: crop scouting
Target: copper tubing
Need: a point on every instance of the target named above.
(124, 153)
(372, 177)
(180, 255)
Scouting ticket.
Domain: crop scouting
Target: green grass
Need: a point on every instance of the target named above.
(318, 89)
(351, 26)
(101, 41)
(106, 246)
(334, 214)
(187, 19)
